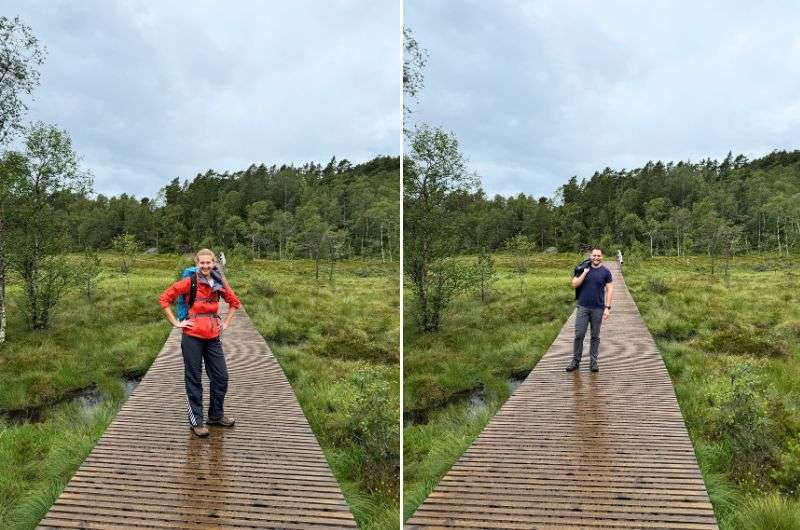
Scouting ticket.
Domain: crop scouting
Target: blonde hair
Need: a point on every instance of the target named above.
(205, 252)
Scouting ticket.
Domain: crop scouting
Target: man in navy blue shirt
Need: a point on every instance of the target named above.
(594, 291)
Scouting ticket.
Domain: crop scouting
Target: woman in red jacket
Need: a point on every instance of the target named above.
(200, 341)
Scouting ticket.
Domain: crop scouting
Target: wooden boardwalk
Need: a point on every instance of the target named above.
(581, 450)
(149, 471)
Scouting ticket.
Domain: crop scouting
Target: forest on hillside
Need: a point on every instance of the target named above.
(265, 211)
(48, 207)
(708, 207)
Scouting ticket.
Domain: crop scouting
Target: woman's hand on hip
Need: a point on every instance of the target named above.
(185, 324)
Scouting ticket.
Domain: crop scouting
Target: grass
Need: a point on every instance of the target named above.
(479, 348)
(732, 348)
(731, 345)
(339, 346)
(337, 343)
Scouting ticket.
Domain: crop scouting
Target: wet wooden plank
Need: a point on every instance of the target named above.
(149, 471)
(581, 450)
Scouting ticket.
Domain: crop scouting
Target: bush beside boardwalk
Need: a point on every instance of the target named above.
(745, 432)
(732, 348)
(338, 344)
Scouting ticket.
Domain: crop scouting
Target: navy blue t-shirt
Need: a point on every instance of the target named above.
(593, 289)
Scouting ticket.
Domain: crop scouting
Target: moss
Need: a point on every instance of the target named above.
(739, 340)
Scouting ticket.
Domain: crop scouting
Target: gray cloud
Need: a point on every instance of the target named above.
(539, 91)
(150, 91)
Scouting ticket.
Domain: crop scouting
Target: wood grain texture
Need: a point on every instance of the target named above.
(149, 471)
(581, 450)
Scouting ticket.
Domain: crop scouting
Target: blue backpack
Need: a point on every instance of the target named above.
(183, 303)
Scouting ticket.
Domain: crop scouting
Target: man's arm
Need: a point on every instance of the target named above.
(609, 296)
(577, 280)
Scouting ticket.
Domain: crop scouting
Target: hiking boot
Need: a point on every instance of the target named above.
(200, 430)
(573, 365)
(223, 421)
(593, 367)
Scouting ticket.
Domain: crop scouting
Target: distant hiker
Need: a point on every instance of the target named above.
(619, 259)
(222, 260)
(592, 282)
(200, 341)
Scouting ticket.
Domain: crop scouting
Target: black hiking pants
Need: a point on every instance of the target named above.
(195, 352)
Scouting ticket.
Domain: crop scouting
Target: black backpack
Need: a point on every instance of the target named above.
(578, 271)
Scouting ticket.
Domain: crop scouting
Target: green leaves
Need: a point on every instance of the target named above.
(129, 248)
(21, 55)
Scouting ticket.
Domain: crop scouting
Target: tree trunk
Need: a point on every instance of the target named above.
(389, 245)
(2, 284)
(383, 257)
(796, 229)
(364, 234)
(758, 224)
(713, 260)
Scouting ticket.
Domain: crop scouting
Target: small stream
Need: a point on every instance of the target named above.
(89, 399)
(475, 398)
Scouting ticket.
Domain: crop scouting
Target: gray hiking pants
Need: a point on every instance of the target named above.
(585, 316)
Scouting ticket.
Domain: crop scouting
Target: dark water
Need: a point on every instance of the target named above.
(89, 399)
(476, 400)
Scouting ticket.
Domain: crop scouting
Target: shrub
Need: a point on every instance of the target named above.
(658, 286)
(444, 280)
(675, 329)
(741, 420)
(244, 252)
(87, 272)
(45, 286)
(367, 417)
(288, 332)
(129, 248)
(787, 474)
(353, 343)
(264, 289)
(770, 512)
(735, 340)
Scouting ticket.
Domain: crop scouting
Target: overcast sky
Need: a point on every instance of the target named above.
(538, 91)
(150, 91)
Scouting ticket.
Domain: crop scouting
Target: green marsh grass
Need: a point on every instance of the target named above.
(337, 343)
(339, 346)
(478, 349)
(732, 348)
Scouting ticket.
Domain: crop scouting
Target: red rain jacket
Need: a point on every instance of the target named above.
(204, 311)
